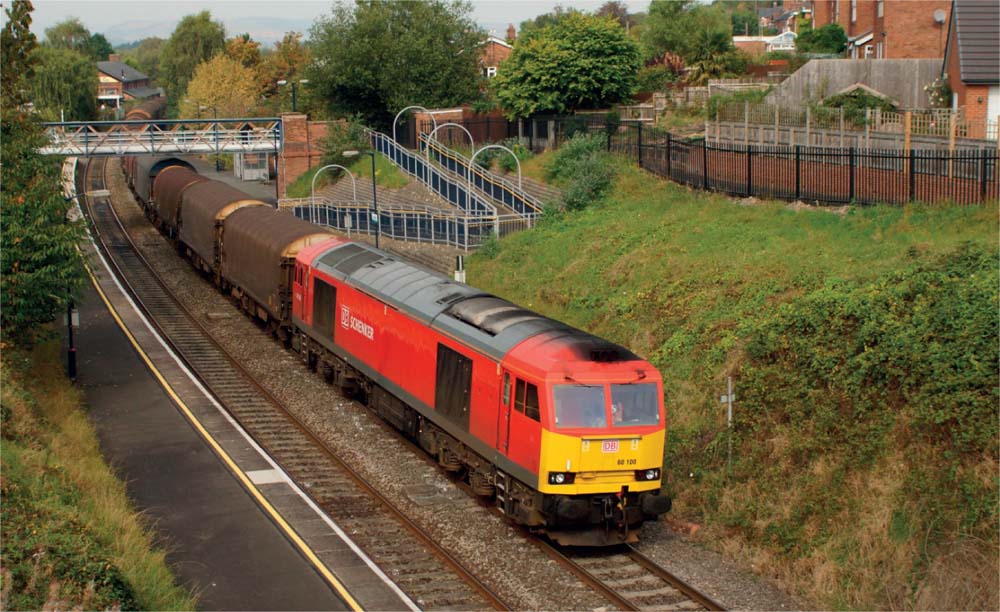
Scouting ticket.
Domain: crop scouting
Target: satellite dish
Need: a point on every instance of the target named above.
(940, 16)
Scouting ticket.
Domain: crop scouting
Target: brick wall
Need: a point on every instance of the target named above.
(976, 98)
(302, 148)
(911, 31)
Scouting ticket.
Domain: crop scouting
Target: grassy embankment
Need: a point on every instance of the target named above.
(388, 175)
(863, 348)
(71, 539)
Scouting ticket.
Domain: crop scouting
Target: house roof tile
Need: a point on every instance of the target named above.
(121, 71)
(977, 27)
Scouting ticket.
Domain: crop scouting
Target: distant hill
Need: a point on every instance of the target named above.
(267, 30)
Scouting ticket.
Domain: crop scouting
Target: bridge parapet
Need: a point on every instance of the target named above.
(161, 136)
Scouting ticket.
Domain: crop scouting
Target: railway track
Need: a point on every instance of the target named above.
(425, 571)
(632, 581)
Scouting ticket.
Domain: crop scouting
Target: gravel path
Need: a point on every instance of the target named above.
(524, 576)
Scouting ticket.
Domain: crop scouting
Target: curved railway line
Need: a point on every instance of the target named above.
(424, 570)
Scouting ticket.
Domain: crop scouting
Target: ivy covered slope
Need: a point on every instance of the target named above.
(863, 349)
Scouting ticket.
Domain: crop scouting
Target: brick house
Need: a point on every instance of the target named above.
(888, 29)
(119, 83)
(972, 63)
(494, 52)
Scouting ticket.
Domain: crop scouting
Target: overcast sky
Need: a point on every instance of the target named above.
(122, 21)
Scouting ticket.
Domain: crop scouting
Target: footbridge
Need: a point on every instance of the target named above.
(161, 136)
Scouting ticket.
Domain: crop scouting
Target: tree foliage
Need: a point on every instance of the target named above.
(374, 58)
(145, 57)
(827, 39)
(98, 48)
(68, 34)
(674, 27)
(72, 35)
(64, 85)
(530, 27)
(39, 265)
(195, 40)
(617, 11)
(221, 87)
(578, 62)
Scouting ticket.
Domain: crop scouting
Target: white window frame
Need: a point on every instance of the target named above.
(854, 11)
(880, 8)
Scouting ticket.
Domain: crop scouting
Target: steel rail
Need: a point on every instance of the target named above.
(437, 550)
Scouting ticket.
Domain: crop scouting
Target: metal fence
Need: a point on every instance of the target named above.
(417, 167)
(416, 223)
(817, 174)
(495, 187)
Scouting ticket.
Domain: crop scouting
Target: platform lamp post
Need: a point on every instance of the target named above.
(73, 215)
(284, 82)
(375, 215)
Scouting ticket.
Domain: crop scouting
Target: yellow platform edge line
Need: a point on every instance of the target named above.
(217, 448)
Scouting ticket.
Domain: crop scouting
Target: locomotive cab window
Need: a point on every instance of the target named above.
(506, 389)
(634, 405)
(324, 304)
(579, 406)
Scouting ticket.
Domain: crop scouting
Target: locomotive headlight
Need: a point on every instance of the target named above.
(558, 478)
(653, 474)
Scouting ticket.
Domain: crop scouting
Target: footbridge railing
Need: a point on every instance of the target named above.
(416, 223)
(443, 185)
(496, 187)
(159, 136)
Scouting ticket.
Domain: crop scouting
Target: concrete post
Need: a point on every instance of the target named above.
(808, 121)
(746, 122)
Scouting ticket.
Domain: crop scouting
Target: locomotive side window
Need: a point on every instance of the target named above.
(519, 396)
(454, 385)
(506, 389)
(324, 304)
(526, 399)
(531, 402)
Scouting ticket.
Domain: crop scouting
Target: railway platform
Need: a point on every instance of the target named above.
(237, 532)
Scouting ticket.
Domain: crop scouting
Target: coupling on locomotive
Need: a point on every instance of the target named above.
(562, 430)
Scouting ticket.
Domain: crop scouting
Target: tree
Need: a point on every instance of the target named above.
(286, 61)
(580, 61)
(244, 49)
(673, 26)
(64, 84)
(68, 34)
(827, 39)
(530, 27)
(220, 87)
(376, 57)
(196, 39)
(709, 55)
(617, 11)
(39, 264)
(145, 57)
(98, 48)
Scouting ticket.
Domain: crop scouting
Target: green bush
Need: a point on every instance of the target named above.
(344, 136)
(909, 358)
(569, 155)
(592, 179)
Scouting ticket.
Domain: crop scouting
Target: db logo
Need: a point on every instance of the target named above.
(345, 317)
(609, 446)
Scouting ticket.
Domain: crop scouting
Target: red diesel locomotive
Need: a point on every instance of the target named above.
(562, 429)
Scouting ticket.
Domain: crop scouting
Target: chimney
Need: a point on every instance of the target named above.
(114, 57)
(511, 33)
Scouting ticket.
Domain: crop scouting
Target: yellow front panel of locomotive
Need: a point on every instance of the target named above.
(601, 463)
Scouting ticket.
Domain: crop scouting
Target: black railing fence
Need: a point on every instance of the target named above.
(823, 175)
(813, 174)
